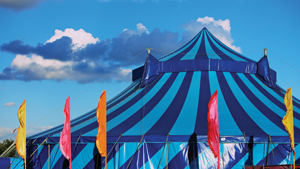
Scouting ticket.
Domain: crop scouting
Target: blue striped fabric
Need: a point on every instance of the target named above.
(174, 107)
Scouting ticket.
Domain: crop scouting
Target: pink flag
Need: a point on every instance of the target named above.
(213, 126)
(65, 137)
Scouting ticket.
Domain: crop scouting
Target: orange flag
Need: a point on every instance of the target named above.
(101, 118)
(21, 135)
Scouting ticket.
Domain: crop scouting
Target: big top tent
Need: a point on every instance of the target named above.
(160, 120)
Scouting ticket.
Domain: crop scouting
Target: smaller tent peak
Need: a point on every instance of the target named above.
(204, 28)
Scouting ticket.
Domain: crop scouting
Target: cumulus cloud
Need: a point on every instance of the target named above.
(7, 133)
(9, 104)
(220, 28)
(18, 5)
(37, 68)
(79, 38)
(78, 56)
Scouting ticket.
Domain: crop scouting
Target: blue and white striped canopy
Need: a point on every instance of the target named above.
(168, 99)
(175, 102)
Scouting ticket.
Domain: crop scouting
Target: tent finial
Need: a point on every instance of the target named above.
(265, 50)
(148, 50)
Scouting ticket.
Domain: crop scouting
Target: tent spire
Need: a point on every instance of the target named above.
(265, 51)
(148, 50)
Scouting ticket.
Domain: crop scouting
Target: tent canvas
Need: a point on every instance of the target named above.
(160, 120)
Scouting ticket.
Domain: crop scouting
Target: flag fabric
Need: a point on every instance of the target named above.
(101, 118)
(287, 120)
(213, 126)
(65, 137)
(21, 135)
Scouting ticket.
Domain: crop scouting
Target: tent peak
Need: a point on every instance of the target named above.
(265, 51)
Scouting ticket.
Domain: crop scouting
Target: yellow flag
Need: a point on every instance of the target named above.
(288, 118)
(21, 135)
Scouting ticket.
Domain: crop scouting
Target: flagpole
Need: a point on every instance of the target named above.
(105, 162)
(218, 162)
(293, 161)
(25, 135)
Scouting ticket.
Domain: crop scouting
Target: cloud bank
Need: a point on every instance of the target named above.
(78, 56)
(18, 5)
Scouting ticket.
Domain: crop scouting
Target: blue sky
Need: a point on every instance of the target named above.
(52, 49)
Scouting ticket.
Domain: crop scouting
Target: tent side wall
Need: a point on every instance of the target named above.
(162, 155)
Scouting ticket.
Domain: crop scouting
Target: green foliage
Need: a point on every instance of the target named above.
(4, 145)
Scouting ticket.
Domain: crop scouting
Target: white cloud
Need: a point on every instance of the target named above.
(224, 24)
(89, 63)
(41, 68)
(38, 68)
(9, 104)
(140, 29)
(7, 133)
(220, 28)
(80, 38)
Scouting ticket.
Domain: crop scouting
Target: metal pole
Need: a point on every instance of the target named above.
(49, 155)
(267, 152)
(167, 166)
(8, 150)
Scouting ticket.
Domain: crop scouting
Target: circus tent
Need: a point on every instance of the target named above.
(160, 120)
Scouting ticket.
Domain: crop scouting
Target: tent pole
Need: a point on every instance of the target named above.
(135, 152)
(272, 146)
(49, 155)
(38, 147)
(97, 160)
(163, 152)
(267, 151)
(167, 166)
(8, 150)
(113, 147)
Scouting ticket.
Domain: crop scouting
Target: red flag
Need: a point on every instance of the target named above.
(213, 126)
(65, 137)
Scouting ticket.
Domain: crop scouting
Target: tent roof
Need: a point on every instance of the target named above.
(170, 96)
(205, 46)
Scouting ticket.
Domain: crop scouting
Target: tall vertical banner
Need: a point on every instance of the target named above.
(101, 118)
(287, 120)
(21, 135)
(65, 137)
(213, 126)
